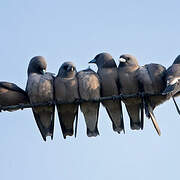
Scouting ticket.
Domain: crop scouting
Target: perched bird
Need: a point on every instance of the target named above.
(173, 81)
(40, 90)
(107, 71)
(11, 94)
(89, 89)
(152, 80)
(173, 78)
(66, 90)
(129, 85)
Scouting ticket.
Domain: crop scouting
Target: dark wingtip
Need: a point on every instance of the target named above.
(44, 138)
(142, 113)
(93, 133)
(76, 123)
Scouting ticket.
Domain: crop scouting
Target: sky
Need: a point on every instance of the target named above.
(77, 31)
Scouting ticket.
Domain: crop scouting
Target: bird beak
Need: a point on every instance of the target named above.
(92, 61)
(122, 60)
(43, 71)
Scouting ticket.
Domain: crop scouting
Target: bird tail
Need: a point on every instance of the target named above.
(114, 110)
(91, 113)
(45, 122)
(67, 115)
(133, 111)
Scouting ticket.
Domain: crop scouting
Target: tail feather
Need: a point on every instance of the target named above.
(45, 122)
(91, 112)
(142, 113)
(133, 112)
(67, 115)
(93, 133)
(76, 123)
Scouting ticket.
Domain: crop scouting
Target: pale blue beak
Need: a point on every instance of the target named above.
(92, 61)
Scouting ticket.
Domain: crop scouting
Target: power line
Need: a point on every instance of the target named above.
(77, 101)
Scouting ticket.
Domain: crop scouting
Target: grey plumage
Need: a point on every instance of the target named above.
(66, 90)
(89, 89)
(11, 94)
(152, 79)
(107, 71)
(129, 85)
(173, 79)
(40, 89)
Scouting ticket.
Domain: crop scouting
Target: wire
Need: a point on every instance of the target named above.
(77, 101)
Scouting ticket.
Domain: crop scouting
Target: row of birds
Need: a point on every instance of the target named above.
(69, 85)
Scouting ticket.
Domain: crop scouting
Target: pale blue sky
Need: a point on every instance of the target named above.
(77, 31)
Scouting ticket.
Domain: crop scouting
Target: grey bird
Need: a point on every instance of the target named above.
(89, 89)
(66, 90)
(11, 94)
(173, 81)
(173, 78)
(107, 71)
(129, 85)
(40, 90)
(152, 80)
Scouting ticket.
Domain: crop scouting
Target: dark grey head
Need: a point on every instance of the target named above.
(104, 60)
(37, 65)
(127, 60)
(177, 60)
(67, 70)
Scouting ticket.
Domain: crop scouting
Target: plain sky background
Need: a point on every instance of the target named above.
(77, 31)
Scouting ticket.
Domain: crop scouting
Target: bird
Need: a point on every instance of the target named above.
(66, 90)
(152, 80)
(173, 78)
(128, 85)
(107, 71)
(11, 94)
(40, 90)
(173, 81)
(89, 89)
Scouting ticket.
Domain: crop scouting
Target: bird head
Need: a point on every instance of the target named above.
(127, 60)
(104, 60)
(37, 65)
(67, 70)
